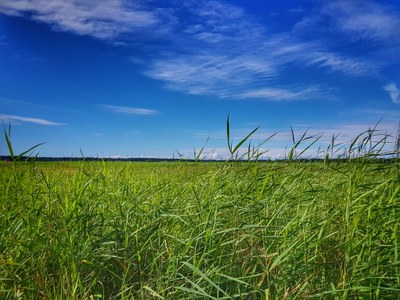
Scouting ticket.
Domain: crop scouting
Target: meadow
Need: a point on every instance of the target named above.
(246, 229)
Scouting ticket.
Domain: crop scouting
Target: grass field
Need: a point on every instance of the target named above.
(195, 230)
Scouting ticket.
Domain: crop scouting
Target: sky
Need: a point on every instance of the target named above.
(154, 78)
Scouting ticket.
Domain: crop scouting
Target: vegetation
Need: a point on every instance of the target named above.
(195, 230)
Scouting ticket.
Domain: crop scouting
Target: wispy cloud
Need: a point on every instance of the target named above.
(364, 19)
(357, 20)
(335, 62)
(129, 110)
(210, 73)
(249, 60)
(280, 94)
(10, 118)
(238, 52)
(218, 49)
(393, 91)
(105, 19)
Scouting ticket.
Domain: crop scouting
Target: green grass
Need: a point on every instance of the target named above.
(194, 230)
(273, 230)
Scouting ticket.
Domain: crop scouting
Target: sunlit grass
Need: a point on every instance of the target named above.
(196, 230)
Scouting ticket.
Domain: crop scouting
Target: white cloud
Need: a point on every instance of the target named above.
(356, 20)
(280, 94)
(364, 19)
(206, 73)
(238, 52)
(350, 66)
(393, 91)
(228, 71)
(217, 10)
(217, 48)
(236, 49)
(129, 110)
(10, 118)
(101, 19)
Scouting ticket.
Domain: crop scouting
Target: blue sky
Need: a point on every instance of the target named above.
(118, 78)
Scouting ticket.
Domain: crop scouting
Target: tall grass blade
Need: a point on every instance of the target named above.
(228, 135)
(7, 136)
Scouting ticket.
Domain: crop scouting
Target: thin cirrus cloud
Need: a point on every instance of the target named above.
(280, 94)
(129, 110)
(393, 91)
(215, 48)
(229, 75)
(10, 118)
(208, 73)
(230, 62)
(365, 20)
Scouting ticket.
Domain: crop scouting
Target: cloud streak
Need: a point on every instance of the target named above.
(10, 118)
(209, 73)
(364, 20)
(280, 94)
(129, 110)
(393, 91)
(101, 19)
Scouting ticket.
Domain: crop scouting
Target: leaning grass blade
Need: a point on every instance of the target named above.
(301, 139)
(234, 279)
(244, 140)
(7, 135)
(198, 156)
(205, 277)
(230, 143)
(199, 291)
(351, 148)
(29, 150)
(310, 145)
(283, 256)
